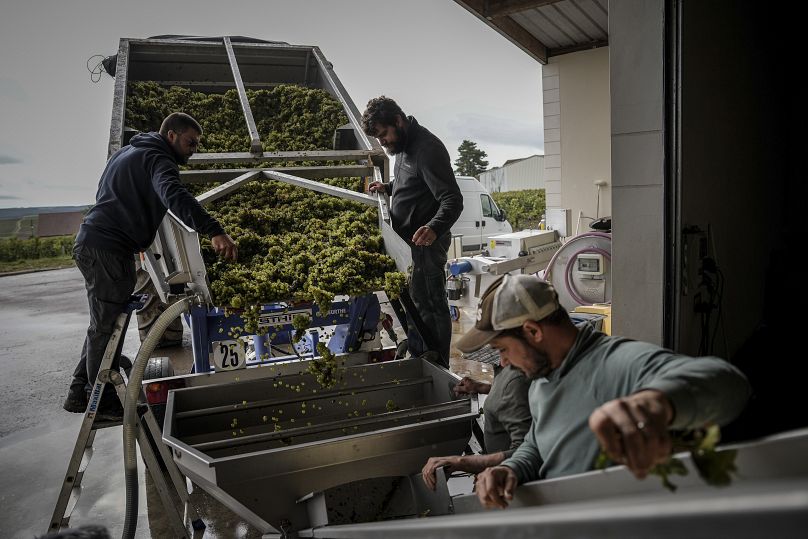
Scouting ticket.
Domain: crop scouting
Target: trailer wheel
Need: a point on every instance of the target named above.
(152, 309)
(158, 367)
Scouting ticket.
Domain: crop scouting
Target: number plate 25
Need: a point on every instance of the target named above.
(229, 355)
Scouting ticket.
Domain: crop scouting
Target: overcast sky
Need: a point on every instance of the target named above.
(457, 76)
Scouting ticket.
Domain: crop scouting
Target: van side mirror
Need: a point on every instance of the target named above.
(501, 215)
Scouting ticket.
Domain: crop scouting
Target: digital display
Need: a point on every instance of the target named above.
(589, 265)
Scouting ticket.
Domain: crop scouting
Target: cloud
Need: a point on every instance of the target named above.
(9, 197)
(12, 89)
(494, 130)
(9, 160)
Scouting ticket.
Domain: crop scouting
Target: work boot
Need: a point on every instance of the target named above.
(76, 400)
(110, 408)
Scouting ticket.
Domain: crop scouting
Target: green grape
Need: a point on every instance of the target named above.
(714, 467)
(301, 323)
(324, 368)
(294, 244)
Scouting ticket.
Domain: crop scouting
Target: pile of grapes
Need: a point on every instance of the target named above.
(294, 244)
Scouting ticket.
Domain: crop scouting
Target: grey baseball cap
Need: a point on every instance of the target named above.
(510, 301)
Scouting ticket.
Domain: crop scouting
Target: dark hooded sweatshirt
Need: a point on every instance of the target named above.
(424, 189)
(140, 182)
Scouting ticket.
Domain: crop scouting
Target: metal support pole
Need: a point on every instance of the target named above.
(199, 338)
(255, 140)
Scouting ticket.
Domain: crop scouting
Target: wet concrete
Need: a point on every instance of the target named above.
(43, 319)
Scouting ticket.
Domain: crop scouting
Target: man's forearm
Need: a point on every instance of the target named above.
(478, 463)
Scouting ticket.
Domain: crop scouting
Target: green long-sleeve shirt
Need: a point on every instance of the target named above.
(507, 412)
(598, 369)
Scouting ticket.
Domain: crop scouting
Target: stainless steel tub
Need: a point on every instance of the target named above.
(261, 445)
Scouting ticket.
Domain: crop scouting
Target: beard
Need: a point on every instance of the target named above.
(182, 159)
(401, 142)
(538, 365)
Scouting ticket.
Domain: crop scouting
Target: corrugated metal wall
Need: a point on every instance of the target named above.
(493, 180)
(524, 174)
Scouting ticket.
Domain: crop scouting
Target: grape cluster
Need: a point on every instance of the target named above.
(325, 368)
(714, 467)
(301, 323)
(294, 244)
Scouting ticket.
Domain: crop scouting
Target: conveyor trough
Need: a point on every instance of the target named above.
(260, 445)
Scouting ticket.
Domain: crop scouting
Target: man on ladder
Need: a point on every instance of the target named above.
(139, 184)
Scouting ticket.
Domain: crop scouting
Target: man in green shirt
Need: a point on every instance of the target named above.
(590, 390)
(507, 419)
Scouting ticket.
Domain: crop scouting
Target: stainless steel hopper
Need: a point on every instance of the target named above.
(261, 445)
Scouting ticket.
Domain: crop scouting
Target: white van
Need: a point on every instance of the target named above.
(481, 218)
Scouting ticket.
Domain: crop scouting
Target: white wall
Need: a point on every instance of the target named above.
(636, 48)
(577, 133)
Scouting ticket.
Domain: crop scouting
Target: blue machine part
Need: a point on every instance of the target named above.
(352, 319)
(262, 345)
(364, 315)
(459, 267)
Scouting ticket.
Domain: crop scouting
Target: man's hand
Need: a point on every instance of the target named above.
(633, 430)
(468, 386)
(495, 486)
(224, 246)
(429, 470)
(424, 236)
(377, 187)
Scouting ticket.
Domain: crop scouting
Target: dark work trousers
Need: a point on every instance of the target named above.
(428, 292)
(110, 279)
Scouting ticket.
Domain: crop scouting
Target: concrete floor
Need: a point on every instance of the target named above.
(43, 317)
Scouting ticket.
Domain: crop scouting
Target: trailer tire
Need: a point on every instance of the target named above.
(158, 367)
(151, 310)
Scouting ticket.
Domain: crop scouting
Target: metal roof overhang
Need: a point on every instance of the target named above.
(545, 28)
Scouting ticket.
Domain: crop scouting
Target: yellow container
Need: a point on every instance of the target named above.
(604, 309)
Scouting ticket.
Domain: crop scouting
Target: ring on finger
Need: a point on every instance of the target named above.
(640, 425)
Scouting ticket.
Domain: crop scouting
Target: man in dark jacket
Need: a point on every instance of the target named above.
(139, 184)
(426, 202)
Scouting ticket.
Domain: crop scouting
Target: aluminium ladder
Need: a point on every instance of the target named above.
(83, 450)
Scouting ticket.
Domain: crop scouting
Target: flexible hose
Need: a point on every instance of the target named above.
(130, 420)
